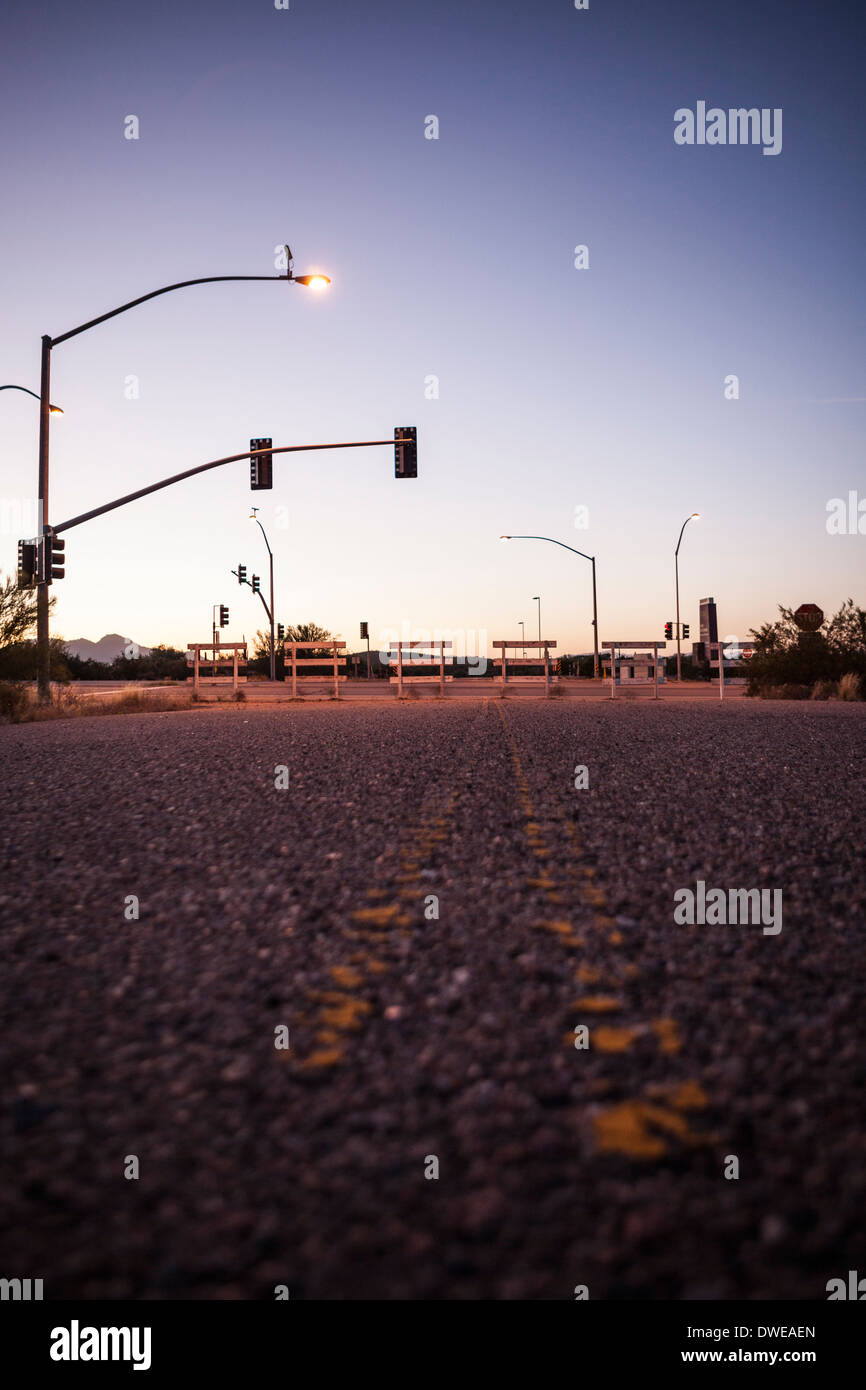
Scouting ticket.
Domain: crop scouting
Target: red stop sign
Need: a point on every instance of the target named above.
(809, 617)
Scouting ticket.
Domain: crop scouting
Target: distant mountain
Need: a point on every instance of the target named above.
(106, 649)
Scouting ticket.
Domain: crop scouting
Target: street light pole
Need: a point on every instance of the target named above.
(522, 625)
(271, 611)
(693, 516)
(43, 636)
(42, 632)
(537, 599)
(591, 559)
(594, 621)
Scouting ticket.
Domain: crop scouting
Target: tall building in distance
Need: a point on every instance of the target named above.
(709, 621)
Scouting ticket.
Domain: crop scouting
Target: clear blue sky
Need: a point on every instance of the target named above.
(558, 388)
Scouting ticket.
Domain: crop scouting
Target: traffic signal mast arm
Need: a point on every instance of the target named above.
(255, 591)
(203, 468)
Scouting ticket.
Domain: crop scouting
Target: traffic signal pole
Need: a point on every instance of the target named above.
(43, 645)
(677, 572)
(270, 612)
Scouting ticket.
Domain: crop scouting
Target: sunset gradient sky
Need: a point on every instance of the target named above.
(558, 388)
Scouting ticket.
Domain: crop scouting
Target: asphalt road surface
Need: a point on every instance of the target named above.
(421, 1042)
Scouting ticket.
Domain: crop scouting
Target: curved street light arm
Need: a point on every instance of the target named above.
(262, 529)
(181, 285)
(552, 542)
(591, 559)
(34, 394)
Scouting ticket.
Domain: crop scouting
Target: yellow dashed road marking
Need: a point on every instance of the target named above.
(643, 1127)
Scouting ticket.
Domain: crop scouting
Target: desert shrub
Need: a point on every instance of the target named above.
(789, 691)
(824, 690)
(850, 686)
(14, 702)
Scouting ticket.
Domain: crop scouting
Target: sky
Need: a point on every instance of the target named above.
(583, 404)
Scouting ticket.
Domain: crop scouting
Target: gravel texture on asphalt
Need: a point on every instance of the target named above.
(431, 907)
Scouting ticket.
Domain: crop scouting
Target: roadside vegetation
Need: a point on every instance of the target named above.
(18, 703)
(829, 664)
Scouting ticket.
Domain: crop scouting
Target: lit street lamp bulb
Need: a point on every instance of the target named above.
(505, 538)
(54, 410)
(313, 282)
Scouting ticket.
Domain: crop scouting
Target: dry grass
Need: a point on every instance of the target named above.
(791, 691)
(850, 687)
(824, 690)
(18, 704)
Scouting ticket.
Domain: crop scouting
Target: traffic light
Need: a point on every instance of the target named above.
(405, 451)
(27, 560)
(669, 631)
(281, 632)
(242, 574)
(53, 558)
(261, 468)
(365, 631)
(224, 615)
(256, 584)
(685, 631)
